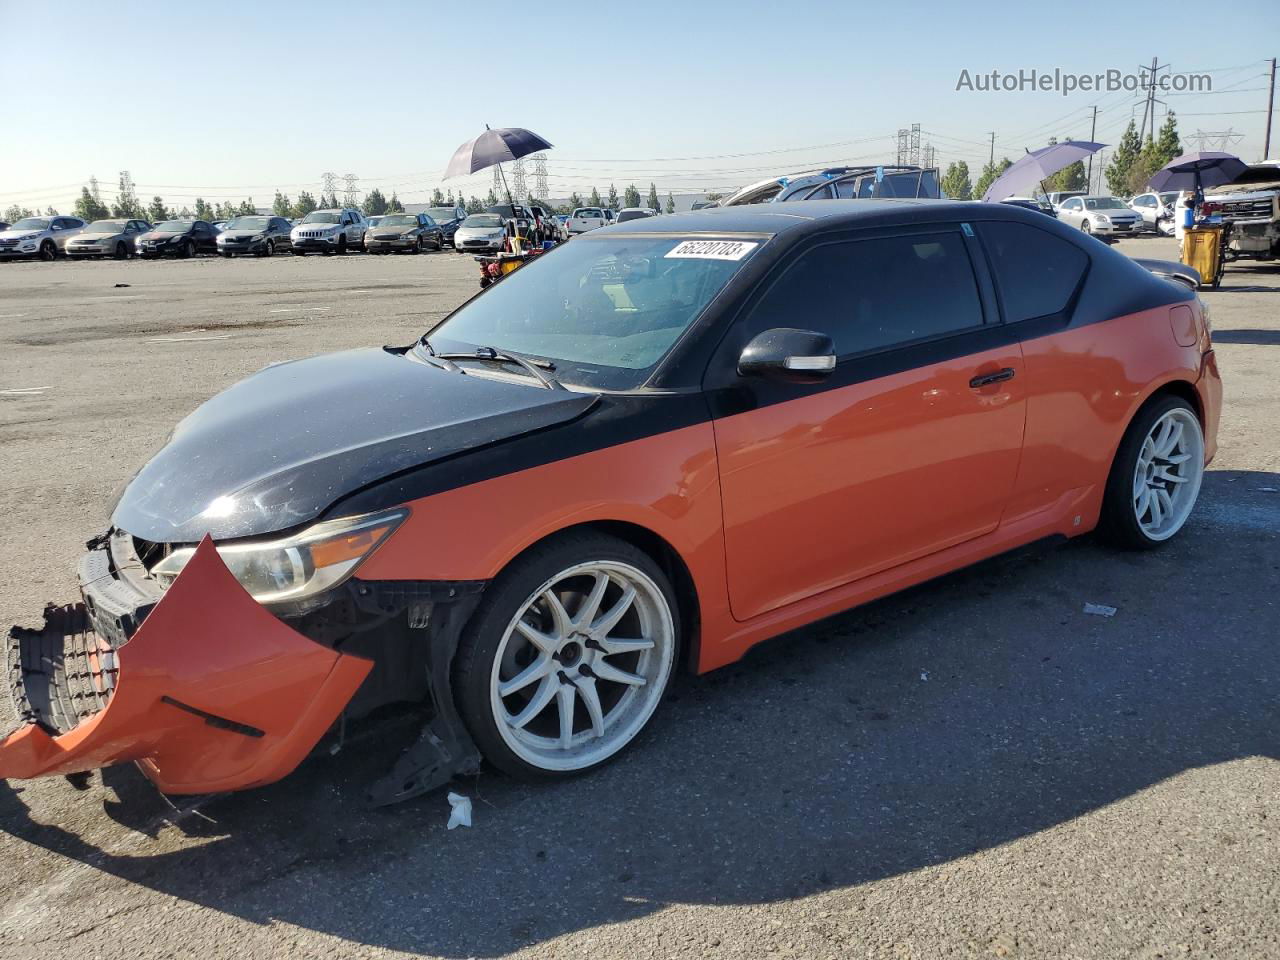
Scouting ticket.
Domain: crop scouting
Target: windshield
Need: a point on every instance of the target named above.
(483, 220)
(105, 226)
(319, 216)
(248, 223)
(173, 226)
(399, 220)
(31, 223)
(588, 212)
(604, 310)
(1105, 203)
(441, 213)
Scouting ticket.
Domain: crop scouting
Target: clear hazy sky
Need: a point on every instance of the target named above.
(232, 98)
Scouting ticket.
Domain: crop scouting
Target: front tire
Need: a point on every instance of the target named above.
(122, 252)
(1155, 479)
(1084, 227)
(48, 251)
(568, 657)
(342, 245)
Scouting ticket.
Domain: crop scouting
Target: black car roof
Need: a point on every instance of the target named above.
(796, 216)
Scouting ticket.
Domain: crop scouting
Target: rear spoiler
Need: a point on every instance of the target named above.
(1172, 270)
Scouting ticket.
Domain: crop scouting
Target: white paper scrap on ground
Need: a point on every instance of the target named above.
(1100, 609)
(460, 814)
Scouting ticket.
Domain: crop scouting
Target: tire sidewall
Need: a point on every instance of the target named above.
(500, 604)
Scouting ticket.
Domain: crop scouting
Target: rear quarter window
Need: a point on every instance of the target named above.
(1036, 273)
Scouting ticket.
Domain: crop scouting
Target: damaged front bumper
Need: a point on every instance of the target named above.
(205, 690)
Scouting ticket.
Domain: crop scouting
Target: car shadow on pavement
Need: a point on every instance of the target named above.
(944, 721)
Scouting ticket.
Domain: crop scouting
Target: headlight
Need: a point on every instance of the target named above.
(1101, 219)
(408, 235)
(300, 566)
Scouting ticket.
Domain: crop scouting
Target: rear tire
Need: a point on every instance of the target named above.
(591, 684)
(1155, 477)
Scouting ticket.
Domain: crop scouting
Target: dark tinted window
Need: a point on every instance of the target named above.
(872, 294)
(1036, 272)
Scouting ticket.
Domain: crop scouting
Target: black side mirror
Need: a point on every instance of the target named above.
(785, 353)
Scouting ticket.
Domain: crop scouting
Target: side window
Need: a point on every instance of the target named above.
(822, 193)
(869, 295)
(1036, 273)
(1073, 204)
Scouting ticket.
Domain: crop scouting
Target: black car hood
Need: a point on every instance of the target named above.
(275, 450)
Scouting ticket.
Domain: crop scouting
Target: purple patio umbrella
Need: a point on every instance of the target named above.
(494, 147)
(1192, 171)
(1037, 166)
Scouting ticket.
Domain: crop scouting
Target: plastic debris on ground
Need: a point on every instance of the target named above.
(460, 812)
(1100, 609)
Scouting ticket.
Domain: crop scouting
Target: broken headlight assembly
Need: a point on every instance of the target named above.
(298, 567)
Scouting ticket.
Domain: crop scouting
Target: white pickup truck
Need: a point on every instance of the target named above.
(589, 218)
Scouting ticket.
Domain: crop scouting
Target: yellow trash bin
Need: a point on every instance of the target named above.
(1202, 249)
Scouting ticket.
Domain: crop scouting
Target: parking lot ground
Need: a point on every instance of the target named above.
(975, 767)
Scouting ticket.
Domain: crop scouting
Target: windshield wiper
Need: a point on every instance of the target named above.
(488, 354)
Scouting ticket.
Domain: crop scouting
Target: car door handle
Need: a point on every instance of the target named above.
(986, 379)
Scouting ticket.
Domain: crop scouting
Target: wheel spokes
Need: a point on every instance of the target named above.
(560, 618)
(587, 611)
(535, 671)
(591, 700)
(604, 670)
(608, 621)
(543, 696)
(566, 697)
(544, 642)
(611, 646)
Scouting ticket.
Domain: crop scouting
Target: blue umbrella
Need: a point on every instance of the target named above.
(1191, 171)
(494, 147)
(1037, 166)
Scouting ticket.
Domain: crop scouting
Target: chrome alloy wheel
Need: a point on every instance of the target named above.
(1166, 478)
(582, 665)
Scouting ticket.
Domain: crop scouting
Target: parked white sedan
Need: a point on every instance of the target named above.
(1105, 216)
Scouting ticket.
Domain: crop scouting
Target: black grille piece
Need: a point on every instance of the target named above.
(61, 675)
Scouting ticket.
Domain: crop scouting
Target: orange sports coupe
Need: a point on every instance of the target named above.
(652, 447)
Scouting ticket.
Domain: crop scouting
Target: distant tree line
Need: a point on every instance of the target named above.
(91, 205)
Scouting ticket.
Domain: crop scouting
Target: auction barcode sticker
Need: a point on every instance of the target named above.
(712, 249)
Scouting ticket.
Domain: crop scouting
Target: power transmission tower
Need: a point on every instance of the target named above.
(518, 188)
(540, 175)
(328, 185)
(350, 196)
(904, 136)
(1216, 139)
(499, 187)
(915, 145)
(928, 156)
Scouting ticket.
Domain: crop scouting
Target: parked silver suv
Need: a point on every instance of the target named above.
(329, 231)
(43, 237)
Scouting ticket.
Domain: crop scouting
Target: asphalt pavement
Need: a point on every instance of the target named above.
(973, 768)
